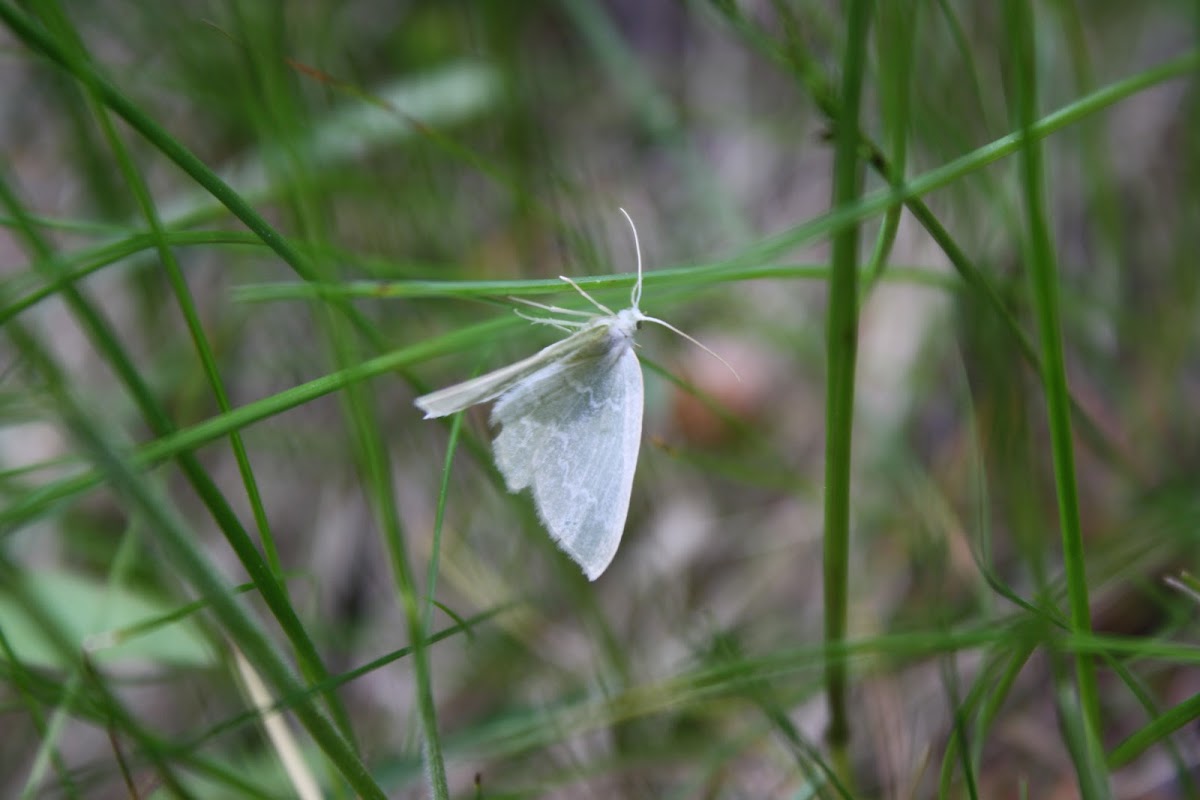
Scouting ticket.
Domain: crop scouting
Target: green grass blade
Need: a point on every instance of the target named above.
(181, 543)
(1044, 283)
(842, 353)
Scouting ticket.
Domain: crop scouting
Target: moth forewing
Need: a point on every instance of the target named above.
(570, 433)
(495, 383)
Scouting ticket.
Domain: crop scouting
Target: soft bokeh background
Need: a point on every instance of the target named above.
(494, 141)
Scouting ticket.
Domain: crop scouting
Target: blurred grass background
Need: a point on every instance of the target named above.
(238, 239)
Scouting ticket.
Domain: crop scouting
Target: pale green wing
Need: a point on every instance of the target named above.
(570, 432)
(493, 384)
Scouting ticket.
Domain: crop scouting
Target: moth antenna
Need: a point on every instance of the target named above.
(694, 341)
(636, 296)
(587, 296)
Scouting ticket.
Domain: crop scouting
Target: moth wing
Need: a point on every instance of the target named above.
(570, 432)
(490, 386)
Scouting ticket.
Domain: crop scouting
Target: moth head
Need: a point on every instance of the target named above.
(630, 320)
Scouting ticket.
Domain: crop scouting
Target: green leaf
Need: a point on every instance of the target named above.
(113, 624)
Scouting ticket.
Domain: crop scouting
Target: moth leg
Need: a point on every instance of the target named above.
(570, 326)
(553, 309)
(587, 296)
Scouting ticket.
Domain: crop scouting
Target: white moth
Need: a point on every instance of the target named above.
(570, 420)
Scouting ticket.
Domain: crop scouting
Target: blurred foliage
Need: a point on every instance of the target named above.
(239, 238)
